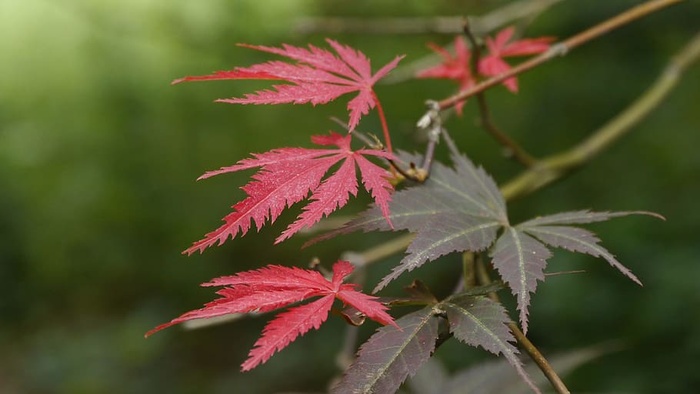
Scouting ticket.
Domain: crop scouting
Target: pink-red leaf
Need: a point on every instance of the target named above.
(458, 67)
(274, 287)
(285, 328)
(287, 175)
(275, 277)
(500, 47)
(366, 304)
(318, 78)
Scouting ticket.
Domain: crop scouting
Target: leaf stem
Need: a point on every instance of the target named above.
(512, 148)
(562, 48)
(381, 251)
(382, 119)
(485, 279)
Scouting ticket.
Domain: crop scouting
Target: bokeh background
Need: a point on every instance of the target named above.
(98, 157)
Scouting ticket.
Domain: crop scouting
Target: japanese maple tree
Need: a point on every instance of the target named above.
(455, 207)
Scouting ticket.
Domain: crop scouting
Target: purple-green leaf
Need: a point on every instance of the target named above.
(441, 235)
(391, 355)
(477, 181)
(479, 321)
(578, 240)
(520, 260)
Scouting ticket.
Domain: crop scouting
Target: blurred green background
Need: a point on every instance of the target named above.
(98, 156)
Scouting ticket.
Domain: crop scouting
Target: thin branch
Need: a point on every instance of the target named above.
(431, 122)
(485, 279)
(562, 48)
(379, 252)
(512, 148)
(556, 166)
(539, 359)
(481, 26)
(422, 25)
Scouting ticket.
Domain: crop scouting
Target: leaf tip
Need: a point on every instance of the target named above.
(156, 329)
(654, 215)
(249, 364)
(190, 251)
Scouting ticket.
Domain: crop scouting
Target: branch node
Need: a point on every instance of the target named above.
(558, 49)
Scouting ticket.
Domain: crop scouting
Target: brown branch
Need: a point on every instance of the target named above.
(485, 279)
(380, 251)
(512, 148)
(422, 25)
(562, 48)
(539, 359)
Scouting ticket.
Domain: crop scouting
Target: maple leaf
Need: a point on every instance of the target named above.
(552, 230)
(521, 259)
(275, 286)
(318, 78)
(453, 67)
(287, 175)
(391, 355)
(479, 321)
(499, 47)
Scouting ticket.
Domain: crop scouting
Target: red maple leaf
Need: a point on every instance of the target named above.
(318, 78)
(273, 287)
(453, 67)
(287, 175)
(499, 47)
